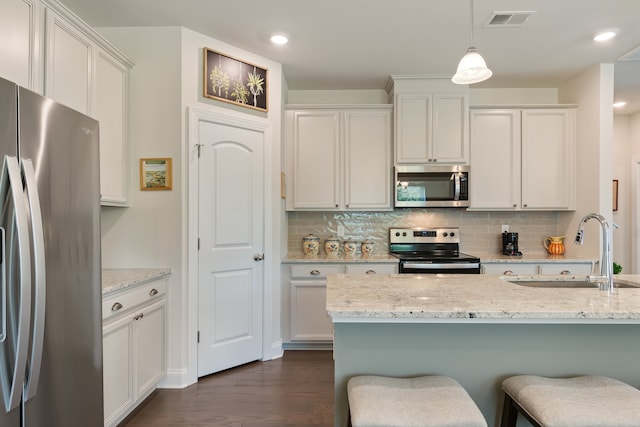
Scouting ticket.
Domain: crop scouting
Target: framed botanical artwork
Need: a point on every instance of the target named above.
(237, 82)
(615, 194)
(155, 174)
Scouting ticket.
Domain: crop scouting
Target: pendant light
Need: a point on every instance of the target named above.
(472, 68)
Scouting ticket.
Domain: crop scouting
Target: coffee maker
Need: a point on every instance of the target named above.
(510, 244)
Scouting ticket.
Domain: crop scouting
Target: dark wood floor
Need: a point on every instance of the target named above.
(296, 390)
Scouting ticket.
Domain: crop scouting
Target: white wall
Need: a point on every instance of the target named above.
(338, 97)
(632, 193)
(593, 92)
(622, 162)
(153, 231)
(149, 232)
(513, 96)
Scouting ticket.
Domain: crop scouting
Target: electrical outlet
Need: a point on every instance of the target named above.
(505, 227)
(341, 231)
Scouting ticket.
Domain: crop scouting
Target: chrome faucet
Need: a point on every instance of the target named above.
(605, 281)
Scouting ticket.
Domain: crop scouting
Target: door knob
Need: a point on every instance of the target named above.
(258, 257)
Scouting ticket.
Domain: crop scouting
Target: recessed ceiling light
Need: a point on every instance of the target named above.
(279, 39)
(619, 104)
(605, 35)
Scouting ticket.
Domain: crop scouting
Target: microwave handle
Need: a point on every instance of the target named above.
(456, 188)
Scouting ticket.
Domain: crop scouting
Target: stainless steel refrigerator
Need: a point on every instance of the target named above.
(50, 276)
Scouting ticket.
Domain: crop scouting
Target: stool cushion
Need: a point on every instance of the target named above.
(376, 401)
(579, 401)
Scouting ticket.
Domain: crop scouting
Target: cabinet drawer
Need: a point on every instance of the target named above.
(371, 268)
(315, 271)
(515, 268)
(122, 302)
(570, 268)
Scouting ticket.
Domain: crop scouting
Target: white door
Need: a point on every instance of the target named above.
(231, 205)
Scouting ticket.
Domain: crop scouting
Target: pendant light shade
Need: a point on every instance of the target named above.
(472, 68)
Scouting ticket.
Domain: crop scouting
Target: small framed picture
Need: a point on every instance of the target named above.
(155, 174)
(615, 194)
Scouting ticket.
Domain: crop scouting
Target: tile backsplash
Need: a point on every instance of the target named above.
(480, 232)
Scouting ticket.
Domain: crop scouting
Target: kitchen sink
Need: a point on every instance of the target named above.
(564, 284)
(560, 282)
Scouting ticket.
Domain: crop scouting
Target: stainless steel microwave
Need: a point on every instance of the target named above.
(432, 186)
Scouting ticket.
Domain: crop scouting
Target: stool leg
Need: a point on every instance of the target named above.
(509, 412)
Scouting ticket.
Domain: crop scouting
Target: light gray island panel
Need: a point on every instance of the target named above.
(425, 328)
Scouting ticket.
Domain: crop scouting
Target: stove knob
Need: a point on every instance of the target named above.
(397, 234)
(445, 234)
(452, 234)
(404, 234)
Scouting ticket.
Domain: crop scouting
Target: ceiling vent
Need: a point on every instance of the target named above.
(508, 19)
(633, 55)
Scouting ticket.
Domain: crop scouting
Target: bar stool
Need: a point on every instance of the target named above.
(376, 401)
(570, 402)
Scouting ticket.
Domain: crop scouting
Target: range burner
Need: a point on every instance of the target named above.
(431, 251)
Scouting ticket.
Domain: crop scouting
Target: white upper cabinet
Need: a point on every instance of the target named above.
(495, 159)
(431, 121)
(20, 42)
(367, 157)
(523, 159)
(111, 108)
(313, 139)
(338, 158)
(86, 73)
(69, 63)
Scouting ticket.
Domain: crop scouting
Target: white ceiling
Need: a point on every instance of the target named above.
(358, 44)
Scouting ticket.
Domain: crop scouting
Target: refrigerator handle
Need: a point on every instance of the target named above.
(3, 288)
(40, 279)
(11, 182)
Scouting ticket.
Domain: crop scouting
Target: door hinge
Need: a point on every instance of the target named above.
(198, 337)
(199, 147)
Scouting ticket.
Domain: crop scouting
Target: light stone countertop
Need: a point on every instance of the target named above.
(481, 298)
(115, 279)
(531, 258)
(299, 258)
(322, 258)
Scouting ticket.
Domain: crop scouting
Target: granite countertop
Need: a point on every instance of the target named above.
(474, 299)
(294, 258)
(373, 258)
(115, 279)
(531, 258)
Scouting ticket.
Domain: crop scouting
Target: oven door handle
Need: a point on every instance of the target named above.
(446, 266)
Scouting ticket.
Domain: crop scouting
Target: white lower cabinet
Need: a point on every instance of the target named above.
(371, 268)
(506, 268)
(134, 347)
(308, 318)
(305, 321)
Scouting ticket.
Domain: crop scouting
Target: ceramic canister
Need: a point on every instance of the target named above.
(350, 247)
(367, 247)
(332, 246)
(311, 244)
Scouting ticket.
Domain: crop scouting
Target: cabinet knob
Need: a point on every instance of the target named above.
(258, 257)
(115, 307)
(314, 273)
(153, 292)
(370, 272)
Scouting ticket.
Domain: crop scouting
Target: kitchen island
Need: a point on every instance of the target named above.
(479, 329)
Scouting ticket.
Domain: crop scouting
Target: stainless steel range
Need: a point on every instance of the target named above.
(431, 251)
